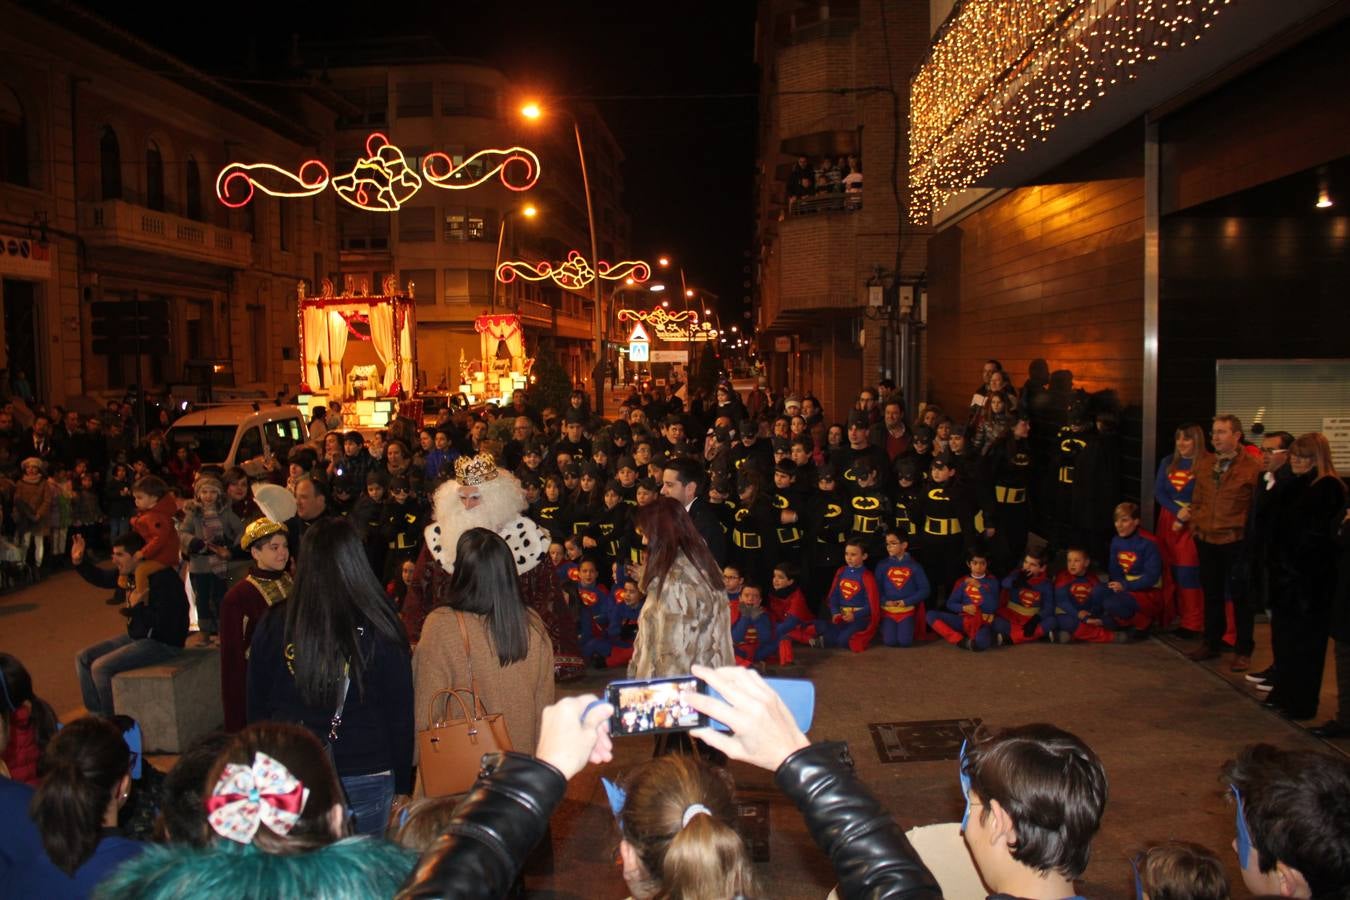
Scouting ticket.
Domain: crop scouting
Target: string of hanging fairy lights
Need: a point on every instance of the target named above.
(1002, 74)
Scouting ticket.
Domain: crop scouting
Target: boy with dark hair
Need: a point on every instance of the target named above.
(753, 532)
(1034, 800)
(788, 505)
(904, 589)
(788, 604)
(826, 531)
(968, 620)
(597, 614)
(1293, 821)
(869, 507)
(1028, 597)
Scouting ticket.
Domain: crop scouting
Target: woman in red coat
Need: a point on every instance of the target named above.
(30, 720)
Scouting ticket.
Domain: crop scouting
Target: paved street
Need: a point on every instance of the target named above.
(1162, 725)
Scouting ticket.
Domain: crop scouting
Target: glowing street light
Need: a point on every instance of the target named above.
(531, 111)
(663, 261)
(528, 211)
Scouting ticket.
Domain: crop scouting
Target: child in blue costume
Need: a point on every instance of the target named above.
(853, 606)
(1079, 600)
(623, 627)
(969, 617)
(753, 628)
(733, 580)
(904, 588)
(796, 624)
(597, 614)
(1028, 599)
(1134, 576)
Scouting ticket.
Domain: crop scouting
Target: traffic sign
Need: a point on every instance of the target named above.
(639, 334)
(637, 350)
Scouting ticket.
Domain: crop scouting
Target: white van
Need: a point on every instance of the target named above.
(239, 434)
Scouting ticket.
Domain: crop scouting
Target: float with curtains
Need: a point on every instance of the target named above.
(325, 328)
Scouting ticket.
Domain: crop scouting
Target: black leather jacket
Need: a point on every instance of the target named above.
(871, 855)
(483, 849)
(495, 828)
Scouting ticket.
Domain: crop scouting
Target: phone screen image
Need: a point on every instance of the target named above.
(650, 707)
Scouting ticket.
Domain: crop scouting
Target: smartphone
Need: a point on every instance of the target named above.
(654, 707)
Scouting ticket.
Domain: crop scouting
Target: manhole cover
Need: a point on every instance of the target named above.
(935, 739)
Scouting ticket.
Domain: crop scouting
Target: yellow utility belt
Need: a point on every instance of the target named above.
(1027, 611)
(942, 527)
(747, 541)
(1066, 474)
(897, 608)
(789, 535)
(1010, 494)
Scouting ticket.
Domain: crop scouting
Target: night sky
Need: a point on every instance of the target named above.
(689, 162)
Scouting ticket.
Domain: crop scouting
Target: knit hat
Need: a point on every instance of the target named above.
(205, 482)
(33, 461)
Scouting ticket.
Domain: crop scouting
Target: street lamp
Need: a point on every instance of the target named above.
(529, 212)
(533, 112)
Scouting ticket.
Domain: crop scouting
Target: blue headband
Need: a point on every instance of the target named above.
(1244, 836)
(617, 797)
(1138, 880)
(965, 786)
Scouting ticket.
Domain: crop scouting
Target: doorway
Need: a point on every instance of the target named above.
(21, 331)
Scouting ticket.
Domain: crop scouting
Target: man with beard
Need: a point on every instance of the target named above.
(484, 496)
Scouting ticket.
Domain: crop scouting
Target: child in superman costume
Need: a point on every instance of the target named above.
(796, 623)
(904, 588)
(753, 627)
(1135, 571)
(853, 606)
(597, 614)
(969, 618)
(1080, 600)
(1028, 598)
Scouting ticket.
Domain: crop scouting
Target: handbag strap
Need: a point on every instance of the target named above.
(336, 721)
(468, 654)
(474, 709)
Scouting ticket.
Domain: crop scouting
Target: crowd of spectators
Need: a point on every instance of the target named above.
(830, 183)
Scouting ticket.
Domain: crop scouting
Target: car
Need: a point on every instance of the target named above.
(239, 434)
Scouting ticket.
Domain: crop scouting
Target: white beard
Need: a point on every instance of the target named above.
(500, 510)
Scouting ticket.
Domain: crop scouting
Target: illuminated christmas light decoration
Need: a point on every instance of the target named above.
(574, 273)
(441, 171)
(382, 180)
(681, 326)
(237, 181)
(1001, 75)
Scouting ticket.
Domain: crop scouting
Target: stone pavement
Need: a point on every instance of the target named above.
(1162, 725)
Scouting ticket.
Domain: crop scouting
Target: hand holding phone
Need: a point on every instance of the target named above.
(657, 706)
(765, 730)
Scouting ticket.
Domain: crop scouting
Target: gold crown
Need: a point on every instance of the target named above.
(259, 529)
(471, 470)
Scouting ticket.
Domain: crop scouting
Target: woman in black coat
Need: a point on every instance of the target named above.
(1305, 516)
(1339, 726)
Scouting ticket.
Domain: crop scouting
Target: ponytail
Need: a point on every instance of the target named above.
(80, 770)
(677, 817)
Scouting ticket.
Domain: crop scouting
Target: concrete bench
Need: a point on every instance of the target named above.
(175, 702)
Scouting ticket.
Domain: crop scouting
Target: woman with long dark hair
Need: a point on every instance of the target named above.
(334, 658)
(276, 821)
(486, 634)
(685, 619)
(86, 777)
(30, 720)
(1306, 514)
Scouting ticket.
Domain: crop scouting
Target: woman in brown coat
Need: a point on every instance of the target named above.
(685, 618)
(502, 640)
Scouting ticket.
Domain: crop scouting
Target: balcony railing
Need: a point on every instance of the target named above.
(126, 226)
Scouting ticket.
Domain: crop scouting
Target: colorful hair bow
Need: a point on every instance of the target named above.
(246, 796)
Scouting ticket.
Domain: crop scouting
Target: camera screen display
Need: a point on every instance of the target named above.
(645, 707)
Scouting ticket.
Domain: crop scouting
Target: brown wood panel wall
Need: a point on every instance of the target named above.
(1052, 271)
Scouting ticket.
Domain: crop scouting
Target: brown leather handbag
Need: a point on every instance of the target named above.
(450, 751)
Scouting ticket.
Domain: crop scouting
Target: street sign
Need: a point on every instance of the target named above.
(639, 334)
(670, 356)
(637, 350)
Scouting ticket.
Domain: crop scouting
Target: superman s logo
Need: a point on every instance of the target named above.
(972, 591)
(1081, 591)
(588, 597)
(1126, 559)
(899, 576)
(849, 588)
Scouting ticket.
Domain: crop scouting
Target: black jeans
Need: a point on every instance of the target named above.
(1216, 569)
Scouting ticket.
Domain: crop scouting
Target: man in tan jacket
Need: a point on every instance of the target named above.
(1225, 483)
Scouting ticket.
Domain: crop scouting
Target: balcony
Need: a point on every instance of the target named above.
(571, 322)
(1011, 89)
(118, 225)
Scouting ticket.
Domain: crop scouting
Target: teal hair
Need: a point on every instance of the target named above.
(354, 868)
